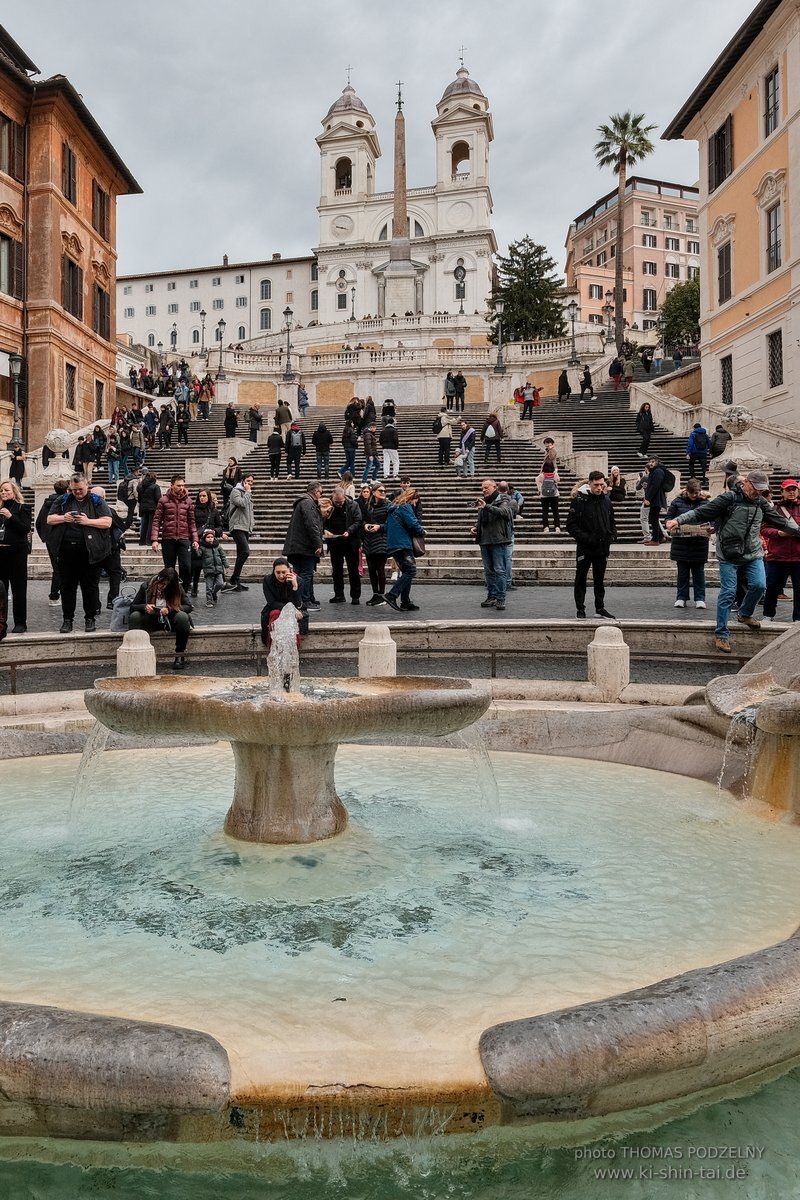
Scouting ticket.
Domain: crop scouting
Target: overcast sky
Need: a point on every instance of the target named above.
(215, 107)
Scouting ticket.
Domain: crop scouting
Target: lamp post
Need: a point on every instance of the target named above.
(173, 337)
(203, 315)
(352, 304)
(500, 366)
(221, 334)
(608, 310)
(160, 349)
(572, 309)
(15, 364)
(288, 374)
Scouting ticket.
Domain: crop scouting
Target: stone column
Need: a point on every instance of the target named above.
(609, 662)
(377, 653)
(136, 656)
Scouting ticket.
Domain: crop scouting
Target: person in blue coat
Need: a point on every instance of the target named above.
(697, 450)
(402, 527)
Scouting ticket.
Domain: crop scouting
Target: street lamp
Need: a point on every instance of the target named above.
(608, 310)
(288, 374)
(173, 337)
(500, 366)
(220, 335)
(352, 304)
(15, 364)
(572, 309)
(160, 349)
(203, 315)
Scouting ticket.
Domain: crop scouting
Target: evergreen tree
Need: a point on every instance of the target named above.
(681, 313)
(529, 289)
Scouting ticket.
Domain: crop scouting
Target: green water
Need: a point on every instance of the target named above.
(494, 1165)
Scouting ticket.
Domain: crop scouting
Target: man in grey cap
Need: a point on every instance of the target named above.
(739, 515)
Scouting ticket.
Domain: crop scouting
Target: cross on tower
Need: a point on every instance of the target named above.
(461, 50)
(399, 94)
(348, 68)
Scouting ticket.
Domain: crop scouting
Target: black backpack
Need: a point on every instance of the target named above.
(437, 425)
(700, 441)
(669, 479)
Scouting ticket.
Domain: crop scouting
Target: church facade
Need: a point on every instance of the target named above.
(448, 223)
(447, 227)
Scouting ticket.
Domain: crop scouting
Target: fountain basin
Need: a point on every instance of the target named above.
(284, 744)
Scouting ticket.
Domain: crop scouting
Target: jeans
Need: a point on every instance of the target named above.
(696, 571)
(349, 460)
(491, 444)
(305, 565)
(293, 463)
(755, 578)
(777, 574)
(444, 452)
(494, 570)
(177, 552)
(550, 508)
(372, 464)
(178, 623)
(469, 462)
(242, 542)
(323, 464)
(586, 561)
(113, 470)
(407, 568)
(214, 584)
(695, 460)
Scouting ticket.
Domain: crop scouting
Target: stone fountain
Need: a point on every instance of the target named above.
(284, 734)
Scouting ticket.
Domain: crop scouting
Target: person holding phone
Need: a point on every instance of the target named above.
(281, 587)
(161, 606)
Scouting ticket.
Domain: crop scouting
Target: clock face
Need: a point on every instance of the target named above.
(341, 227)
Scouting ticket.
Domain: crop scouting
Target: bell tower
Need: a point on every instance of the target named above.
(463, 129)
(349, 149)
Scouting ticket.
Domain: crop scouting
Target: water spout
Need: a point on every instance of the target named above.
(283, 660)
(95, 744)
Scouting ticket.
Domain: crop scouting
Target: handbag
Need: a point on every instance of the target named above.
(418, 546)
(120, 612)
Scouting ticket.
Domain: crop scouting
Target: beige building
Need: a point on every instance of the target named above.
(661, 244)
(744, 116)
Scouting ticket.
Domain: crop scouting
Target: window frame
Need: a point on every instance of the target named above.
(649, 300)
(725, 272)
(773, 237)
(72, 287)
(772, 101)
(775, 379)
(101, 312)
(265, 320)
(101, 211)
(69, 173)
(720, 154)
(71, 386)
(649, 241)
(265, 289)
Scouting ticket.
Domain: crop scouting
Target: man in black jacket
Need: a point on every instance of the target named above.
(304, 541)
(591, 523)
(655, 497)
(79, 526)
(59, 489)
(342, 533)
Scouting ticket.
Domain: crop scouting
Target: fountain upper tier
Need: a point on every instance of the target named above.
(281, 795)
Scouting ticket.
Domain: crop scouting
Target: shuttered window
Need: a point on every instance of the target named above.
(72, 287)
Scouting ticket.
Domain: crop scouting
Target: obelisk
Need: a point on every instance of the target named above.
(400, 273)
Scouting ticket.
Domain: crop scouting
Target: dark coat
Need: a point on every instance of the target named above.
(684, 548)
(322, 438)
(655, 491)
(304, 535)
(376, 514)
(401, 526)
(591, 522)
(149, 496)
(388, 437)
(345, 518)
(16, 527)
(294, 450)
(494, 525)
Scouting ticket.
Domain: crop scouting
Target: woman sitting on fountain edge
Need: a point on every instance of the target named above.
(162, 606)
(281, 588)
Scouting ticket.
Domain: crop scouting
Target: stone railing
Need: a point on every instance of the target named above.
(781, 445)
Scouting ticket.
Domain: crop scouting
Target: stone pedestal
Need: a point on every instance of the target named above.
(738, 422)
(609, 662)
(377, 653)
(136, 657)
(584, 461)
(282, 796)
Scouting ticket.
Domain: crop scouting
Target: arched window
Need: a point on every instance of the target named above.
(344, 175)
(265, 318)
(151, 339)
(314, 271)
(418, 230)
(314, 300)
(241, 334)
(383, 236)
(459, 159)
(195, 337)
(266, 289)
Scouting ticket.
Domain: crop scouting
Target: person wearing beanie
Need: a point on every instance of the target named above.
(739, 515)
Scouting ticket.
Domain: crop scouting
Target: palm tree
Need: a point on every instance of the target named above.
(623, 143)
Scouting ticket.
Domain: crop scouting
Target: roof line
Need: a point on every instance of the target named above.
(741, 41)
(260, 262)
(60, 85)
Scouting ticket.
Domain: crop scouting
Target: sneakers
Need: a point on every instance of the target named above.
(722, 644)
(90, 625)
(313, 606)
(209, 603)
(392, 601)
(679, 604)
(603, 612)
(750, 622)
(66, 626)
(336, 600)
(414, 607)
(179, 663)
(500, 605)
(20, 629)
(546, 529)
(557, 529)
(355, 600)
(700, 604)
(581, 614)
(376, 600)
(488, 603)
(767, 620)
(193, 591)
(54, 601)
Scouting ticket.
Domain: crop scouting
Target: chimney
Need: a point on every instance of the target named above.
(224, 260)
(275, 257)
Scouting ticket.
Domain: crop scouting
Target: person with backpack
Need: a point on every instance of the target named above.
(697, 449)
(564, 387)
(660, 481)
(322, 440)
(719, 440)
(128, 494)
(275, 450)
(295, 446)
(740, 514)
(449, 390)
(241, 523)
(491, 436)
(390, 444)
(615, 372)
(547, 482)
(79, 526)
(442, 430)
